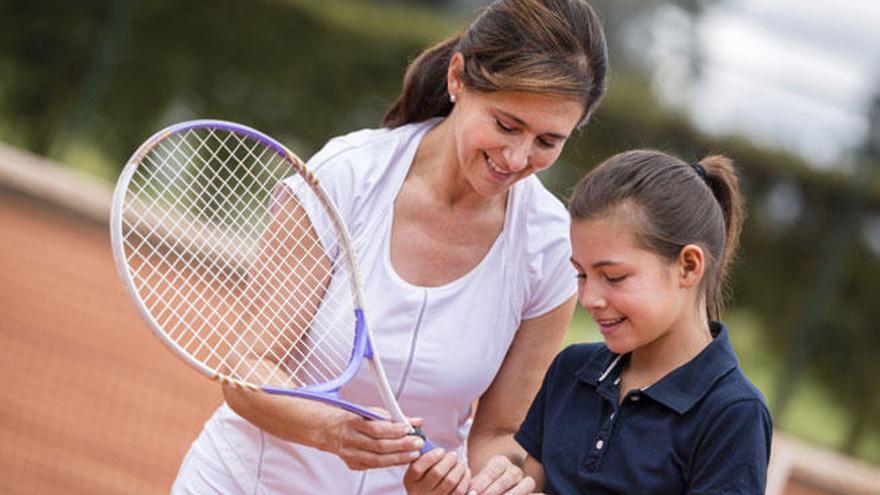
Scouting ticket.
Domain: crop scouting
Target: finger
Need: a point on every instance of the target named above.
(453, 478)
(416, 422)
(438, 472)
(423, 464)
(408, 444)
(462, 487)
(362, 459)
(493, 469)
(377, 428)
(382, 439)
(524, 487)
(506, 481)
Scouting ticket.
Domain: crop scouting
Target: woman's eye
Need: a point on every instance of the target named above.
(503, 126)
(615, 280)
(582, 277)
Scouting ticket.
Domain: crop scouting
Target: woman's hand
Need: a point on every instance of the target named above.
(437, 472)
(367, 444)
(501, 476)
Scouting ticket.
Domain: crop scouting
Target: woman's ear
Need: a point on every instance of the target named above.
(691, 264)
(453, 75)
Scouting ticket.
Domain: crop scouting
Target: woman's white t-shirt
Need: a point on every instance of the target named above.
(440, 346)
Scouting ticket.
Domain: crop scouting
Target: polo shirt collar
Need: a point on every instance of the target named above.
(682, 387)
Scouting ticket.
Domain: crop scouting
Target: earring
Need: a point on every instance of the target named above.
(452, 99)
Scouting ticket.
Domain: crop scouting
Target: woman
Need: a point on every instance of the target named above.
(462, 251)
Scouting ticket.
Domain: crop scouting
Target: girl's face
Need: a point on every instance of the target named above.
(505, 136)
(635, 296)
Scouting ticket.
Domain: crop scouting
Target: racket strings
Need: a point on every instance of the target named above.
(231, 281)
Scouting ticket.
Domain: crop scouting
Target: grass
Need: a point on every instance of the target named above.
(812, 414)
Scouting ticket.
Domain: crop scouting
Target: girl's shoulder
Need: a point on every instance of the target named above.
(575, 357)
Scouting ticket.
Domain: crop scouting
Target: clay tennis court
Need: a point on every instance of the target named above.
(92, 403)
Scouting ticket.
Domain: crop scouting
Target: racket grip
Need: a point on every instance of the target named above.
(429, 445)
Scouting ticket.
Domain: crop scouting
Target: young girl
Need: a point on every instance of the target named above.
(661, 407)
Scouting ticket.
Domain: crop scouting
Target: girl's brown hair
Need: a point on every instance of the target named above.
(671, 204)
(544, 46)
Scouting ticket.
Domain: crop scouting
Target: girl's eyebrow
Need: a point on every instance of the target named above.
(521, 123)
(600, 264)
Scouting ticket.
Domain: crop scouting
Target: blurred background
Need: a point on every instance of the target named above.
(789, 89)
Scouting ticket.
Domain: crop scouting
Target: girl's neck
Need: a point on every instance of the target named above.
(674, 348)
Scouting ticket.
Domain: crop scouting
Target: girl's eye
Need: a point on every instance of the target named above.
(546, 144)
(582, 277)
(615, 280)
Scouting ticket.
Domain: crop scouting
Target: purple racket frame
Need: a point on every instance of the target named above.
(327, 392)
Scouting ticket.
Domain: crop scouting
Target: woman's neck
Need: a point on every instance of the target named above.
(437, 172)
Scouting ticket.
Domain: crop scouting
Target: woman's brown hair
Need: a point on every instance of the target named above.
(544, 46)
(671, 204)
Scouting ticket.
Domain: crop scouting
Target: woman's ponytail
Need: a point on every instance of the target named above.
(424, 92)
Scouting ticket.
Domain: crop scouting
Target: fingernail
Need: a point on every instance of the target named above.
(472, 492)
(414, 454)
(419, 443)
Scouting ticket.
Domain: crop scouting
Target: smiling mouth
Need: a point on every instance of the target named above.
(609, 324)
(496, 171)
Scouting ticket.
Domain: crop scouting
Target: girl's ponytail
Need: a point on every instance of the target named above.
(722, 181)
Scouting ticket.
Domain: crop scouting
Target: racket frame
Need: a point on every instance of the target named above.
(327, 392)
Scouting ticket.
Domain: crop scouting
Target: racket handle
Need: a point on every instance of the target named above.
(429, 445)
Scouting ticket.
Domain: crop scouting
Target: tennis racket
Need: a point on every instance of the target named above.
(239, 262)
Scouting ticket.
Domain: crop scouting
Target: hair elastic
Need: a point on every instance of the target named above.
(700, 170)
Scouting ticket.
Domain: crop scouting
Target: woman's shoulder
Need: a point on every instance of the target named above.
(364, 147)
(539, 202)
(542, 218)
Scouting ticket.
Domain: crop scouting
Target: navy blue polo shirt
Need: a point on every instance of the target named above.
(701, 429)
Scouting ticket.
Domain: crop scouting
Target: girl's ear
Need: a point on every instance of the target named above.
(691, 264)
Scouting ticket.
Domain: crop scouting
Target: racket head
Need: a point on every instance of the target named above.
(238, 260)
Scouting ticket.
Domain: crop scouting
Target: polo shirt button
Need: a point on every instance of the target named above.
(599, 445)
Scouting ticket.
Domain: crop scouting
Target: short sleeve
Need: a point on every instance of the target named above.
(733, 453)
(551, 278)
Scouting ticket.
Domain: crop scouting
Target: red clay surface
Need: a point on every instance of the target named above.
(91, 402)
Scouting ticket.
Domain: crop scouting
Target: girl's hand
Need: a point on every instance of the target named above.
(367, 444)
(501, 476)
(437, 472)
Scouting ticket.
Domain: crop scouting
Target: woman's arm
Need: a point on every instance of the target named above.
(492, 452)
(535, 470)
(503, 406)
(361, 443)
(274, 330)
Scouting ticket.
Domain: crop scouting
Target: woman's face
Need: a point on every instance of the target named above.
(634, 295)
(505, 136)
